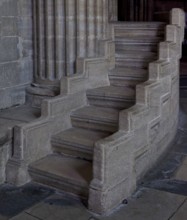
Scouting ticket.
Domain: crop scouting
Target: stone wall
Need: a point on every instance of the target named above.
(15, 51)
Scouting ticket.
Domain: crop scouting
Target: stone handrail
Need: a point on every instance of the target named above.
(123, 158)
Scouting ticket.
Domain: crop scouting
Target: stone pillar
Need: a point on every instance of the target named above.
(70, 36)
(65, 30)
(60, 38)
(99, 18)
(91, 28)
(49, 41)
(113, 10)
(81, 28)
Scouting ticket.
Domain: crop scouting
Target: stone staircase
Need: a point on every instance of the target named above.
(69, 167)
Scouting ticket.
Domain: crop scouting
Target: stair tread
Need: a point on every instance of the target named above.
(128, 72)
(97, 113)
(137, 40)
(113, 92)
(81, 137)
(134, 24)
(138, 55)
(137, 52)
(137, 47)
(71, 170)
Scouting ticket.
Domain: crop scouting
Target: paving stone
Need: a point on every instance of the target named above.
(181, 213)
(181, 173)
(3, 217)
(24, 216)
(150, 205)
(14, 200)
(60, 207)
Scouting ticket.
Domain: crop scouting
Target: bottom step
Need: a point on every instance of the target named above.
(67, 174)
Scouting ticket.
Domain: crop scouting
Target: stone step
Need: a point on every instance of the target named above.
(96, 118)
(138, 25)
(77, 142)
(132, 63)
(139, 40)
(67, 174)
(127, 76)
(136, 47)
(137, 32)
(143, 55)
(112, 97)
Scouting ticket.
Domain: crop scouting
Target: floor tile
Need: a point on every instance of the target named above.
(60, 207)
(150, 205)
(24, 216)
(181, 214)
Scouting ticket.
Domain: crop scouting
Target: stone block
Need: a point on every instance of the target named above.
(9, 8)
(9, 49)
(9, 26)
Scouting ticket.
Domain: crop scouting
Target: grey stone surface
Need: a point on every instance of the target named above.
(14, 200)
(181, 213)
(147, 204)
(15, 51)
(76, 43)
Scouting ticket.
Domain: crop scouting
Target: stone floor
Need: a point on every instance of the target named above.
(161, 196)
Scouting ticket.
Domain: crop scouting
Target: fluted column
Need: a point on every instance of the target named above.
(60, 48)
(81, 28)
(91, 28)
(99, 18)
(113, 10)
(70, 36)
(63, 31)
(105, 17)
(49, 41)
(39, 47)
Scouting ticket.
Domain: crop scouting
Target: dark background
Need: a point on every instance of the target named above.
(155, 10)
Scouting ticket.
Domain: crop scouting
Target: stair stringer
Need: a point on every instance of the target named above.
(32, 141)
(145, 130)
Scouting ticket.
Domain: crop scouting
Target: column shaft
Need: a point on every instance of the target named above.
(49, 32)
(99, 18)
(91, 28)
(81, 28)
(70, 36)
(59, 39)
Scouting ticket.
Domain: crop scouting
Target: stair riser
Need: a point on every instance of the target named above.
(140, 25)
(137, 33)
(35, 100)
(131, 63)
(59, 184)
(125, 82)
(142, 56)
(71, 151)
(112, 103)
(126, 47)
(94, 125)
(137, 42)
